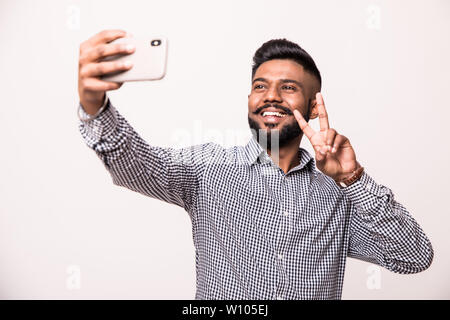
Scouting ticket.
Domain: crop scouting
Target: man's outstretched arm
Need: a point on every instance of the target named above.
(168, 174)
(163, 173)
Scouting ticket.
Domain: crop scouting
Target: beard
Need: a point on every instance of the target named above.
(264, 137)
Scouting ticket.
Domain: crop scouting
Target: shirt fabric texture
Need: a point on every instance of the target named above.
(260, 233)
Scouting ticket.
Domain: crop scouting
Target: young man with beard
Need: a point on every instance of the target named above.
(266, 224)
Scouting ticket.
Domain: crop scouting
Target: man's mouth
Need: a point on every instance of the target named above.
(273, 116)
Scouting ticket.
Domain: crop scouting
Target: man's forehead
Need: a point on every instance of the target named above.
(280, 69)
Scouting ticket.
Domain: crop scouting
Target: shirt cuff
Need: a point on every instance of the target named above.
(365, 193)
(103, 125)
(84, 116)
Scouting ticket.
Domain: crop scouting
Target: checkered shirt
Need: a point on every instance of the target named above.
(260, 233)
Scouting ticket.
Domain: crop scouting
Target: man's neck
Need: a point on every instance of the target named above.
(288, 156)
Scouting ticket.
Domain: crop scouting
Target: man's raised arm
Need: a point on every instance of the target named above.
(382, 231)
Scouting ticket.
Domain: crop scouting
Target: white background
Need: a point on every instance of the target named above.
(66, 232)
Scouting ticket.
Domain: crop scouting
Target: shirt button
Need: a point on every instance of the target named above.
(280, 257)
(280, 298)
(286, 213)
(96, 129)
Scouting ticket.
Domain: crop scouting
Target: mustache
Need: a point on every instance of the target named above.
(273, 105)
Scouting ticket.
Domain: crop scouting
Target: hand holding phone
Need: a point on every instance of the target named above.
(107, 58)
(149, 60)
(91, 88)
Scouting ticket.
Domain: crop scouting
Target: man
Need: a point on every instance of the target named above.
(266, 224)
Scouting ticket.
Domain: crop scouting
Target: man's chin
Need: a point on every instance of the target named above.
(268, 126)
(265, 132)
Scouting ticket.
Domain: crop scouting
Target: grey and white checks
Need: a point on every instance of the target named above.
(260, 233)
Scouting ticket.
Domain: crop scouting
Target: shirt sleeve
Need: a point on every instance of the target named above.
(168, 174)
(383, 232)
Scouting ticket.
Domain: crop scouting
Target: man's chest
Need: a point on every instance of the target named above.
(261, 203)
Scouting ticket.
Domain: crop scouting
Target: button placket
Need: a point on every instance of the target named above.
(273, 174)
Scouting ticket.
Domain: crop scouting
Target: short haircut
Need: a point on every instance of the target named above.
(285, 49)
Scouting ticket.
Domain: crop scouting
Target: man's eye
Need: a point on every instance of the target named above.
(259, 86)
(289, 87)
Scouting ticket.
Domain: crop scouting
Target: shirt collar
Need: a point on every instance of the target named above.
(253, 150)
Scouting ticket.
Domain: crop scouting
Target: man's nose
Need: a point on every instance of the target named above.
(272, 95)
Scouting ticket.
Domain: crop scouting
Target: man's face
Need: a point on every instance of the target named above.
(280, 85)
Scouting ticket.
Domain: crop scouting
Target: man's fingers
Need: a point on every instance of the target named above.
(94, 84)
(104, 50)
(309, 132)
(106, 36)
(321, 152)
(323, 116)
(101, 68)
(338, 142)
(329, 140)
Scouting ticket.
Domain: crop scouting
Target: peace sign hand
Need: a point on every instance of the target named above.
(335, 156)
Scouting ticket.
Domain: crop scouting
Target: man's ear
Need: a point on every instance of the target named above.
(314, 113)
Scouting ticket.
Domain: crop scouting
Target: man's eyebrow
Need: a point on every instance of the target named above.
(259, 79)
(293, 81)
(282, 81)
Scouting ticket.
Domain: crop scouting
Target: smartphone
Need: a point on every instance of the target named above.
(149, 60)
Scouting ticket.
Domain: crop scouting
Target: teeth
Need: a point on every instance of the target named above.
(272, 113)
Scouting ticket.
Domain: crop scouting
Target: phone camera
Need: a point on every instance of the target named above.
(156, 43)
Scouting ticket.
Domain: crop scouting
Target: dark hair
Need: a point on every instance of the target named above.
(285, 49)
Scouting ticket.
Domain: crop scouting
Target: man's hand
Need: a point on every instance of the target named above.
(335, 156)
(91, 88)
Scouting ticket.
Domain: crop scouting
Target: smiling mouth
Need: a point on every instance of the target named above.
(273, 116)
(273, 113)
